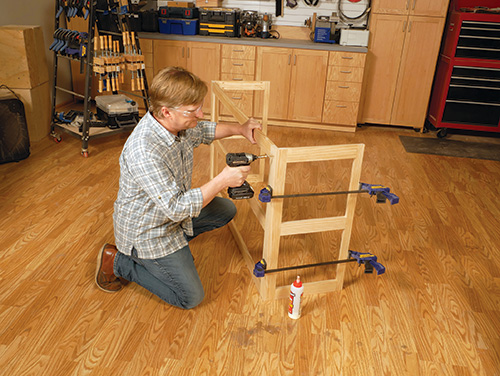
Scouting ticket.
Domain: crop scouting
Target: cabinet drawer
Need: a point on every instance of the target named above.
(338, 112)
(343, 91)
(236, 77)
(238, 66)
(242, 99)
(348, 74)
(232, 51)
(347, 59)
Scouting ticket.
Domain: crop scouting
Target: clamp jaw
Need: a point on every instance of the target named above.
(369, 261)
(383, 193)
(266, 194)
(260, 269)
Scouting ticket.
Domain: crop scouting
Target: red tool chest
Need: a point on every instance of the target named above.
(466, 90)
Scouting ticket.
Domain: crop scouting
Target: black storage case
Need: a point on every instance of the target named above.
(220, 22)
(117, 110)
(14, 138)
(149, 21)
(178, 12)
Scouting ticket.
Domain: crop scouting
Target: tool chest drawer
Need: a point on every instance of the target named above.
(350, 74)
(479, 40)
(339, 112)
(233, 51)
(347, 59)
(343, 91)
(466, 91)
(237, 66)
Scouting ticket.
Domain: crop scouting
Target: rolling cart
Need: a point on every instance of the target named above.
(117, 43)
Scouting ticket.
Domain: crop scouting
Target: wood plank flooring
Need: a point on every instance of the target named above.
(436, 311)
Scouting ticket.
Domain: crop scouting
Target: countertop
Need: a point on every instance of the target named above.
(285, 43)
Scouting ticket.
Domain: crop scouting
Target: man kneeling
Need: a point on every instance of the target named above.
(157, 212)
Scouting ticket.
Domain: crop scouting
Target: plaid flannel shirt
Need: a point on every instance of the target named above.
(155, 201)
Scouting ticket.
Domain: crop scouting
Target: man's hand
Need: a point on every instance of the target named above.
(234, 176)
(248, 127)
(246, 130)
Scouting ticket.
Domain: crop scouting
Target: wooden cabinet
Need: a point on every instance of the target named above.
(238, 64)
(401, 62)
(273, 65)
(169, 53)
(297, 79)
(435, 8)
(203, 59)
(343, 88)
(414, 83)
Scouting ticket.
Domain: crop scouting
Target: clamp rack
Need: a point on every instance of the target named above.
(85, 55)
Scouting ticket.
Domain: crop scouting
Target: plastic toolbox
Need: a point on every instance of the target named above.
(118, 110)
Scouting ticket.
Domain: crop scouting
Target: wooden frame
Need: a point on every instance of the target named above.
(271, 218)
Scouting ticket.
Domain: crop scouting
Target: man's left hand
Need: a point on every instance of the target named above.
(247, 129)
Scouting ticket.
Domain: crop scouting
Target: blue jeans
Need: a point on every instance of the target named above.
(174, 278)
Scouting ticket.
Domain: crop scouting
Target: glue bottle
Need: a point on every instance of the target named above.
(296, 292)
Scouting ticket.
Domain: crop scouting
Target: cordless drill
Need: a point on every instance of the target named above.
(241, 159)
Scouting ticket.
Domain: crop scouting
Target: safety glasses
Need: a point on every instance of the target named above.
(189, 113)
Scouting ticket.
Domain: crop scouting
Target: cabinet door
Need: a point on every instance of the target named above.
(391, 6)
(436, 8)
(168, 53)
(418, 64)
(203, 59)
(382, 66)
(274, 65)
(307, 88)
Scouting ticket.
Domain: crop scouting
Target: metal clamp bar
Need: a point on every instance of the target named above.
(70, 92)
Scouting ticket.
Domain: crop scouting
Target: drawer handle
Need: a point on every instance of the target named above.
(343, 87)
(237, 79)
(339, 106)
(346, 71)
(238, 64)
(237, 50)
(347, 57)
(237, 98)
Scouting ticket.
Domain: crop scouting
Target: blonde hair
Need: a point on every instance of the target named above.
(174, 87)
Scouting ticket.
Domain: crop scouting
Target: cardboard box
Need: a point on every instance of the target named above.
(181, 4)
(22, 57)
(37, 108)
(209, 3)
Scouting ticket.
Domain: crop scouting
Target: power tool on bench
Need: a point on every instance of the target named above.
(244, 191)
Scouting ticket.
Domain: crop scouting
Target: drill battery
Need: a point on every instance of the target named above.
(220, 22)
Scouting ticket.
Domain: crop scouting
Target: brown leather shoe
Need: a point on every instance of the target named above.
(105, 277)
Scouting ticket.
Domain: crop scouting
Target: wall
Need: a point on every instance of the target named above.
(42, 13)
(296, 16)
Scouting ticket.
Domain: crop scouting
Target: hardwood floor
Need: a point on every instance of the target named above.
(436, 311)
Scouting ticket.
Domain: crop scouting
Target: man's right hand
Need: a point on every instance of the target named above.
(235, 176)
(228, 177)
